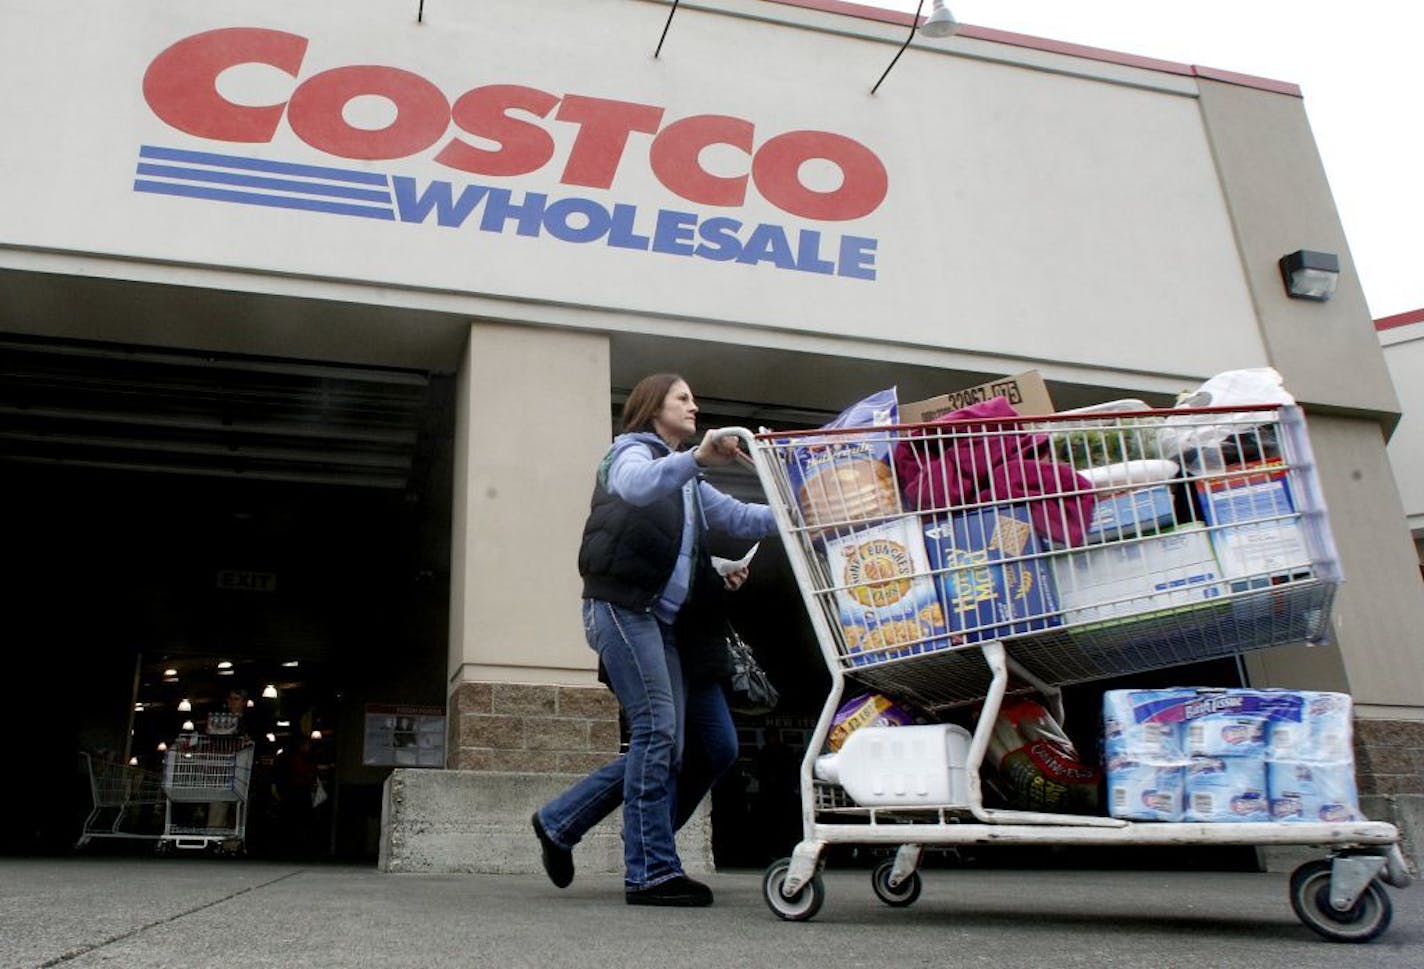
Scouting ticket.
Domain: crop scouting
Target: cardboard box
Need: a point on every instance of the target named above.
(888, 597)
(1170, 569)
(1026, 391)
(1252, 549)
(989, 584)
(1129, 514)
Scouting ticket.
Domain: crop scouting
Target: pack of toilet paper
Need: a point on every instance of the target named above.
(1218, 755)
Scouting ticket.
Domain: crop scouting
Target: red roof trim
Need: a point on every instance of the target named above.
(846, 8)
(1399, 319)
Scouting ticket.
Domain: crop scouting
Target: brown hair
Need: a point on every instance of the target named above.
(646, 399)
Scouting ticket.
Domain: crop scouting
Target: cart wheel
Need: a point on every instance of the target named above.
(899, 895)
(1310, 897)
(795, 908)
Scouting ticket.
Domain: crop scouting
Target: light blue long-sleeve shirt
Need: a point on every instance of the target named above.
(639, 478)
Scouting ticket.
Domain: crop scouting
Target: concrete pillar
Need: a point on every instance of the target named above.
(526, 714)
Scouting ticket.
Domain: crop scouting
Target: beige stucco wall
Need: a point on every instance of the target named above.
(532, 420)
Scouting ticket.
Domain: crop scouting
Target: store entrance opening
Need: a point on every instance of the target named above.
(179, 525)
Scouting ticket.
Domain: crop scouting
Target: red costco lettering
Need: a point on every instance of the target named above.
(315, 113)
(180, 86)
(181, 83)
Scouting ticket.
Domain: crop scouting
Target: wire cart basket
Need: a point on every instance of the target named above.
(211, 770)
(123, 797)
(949, 565)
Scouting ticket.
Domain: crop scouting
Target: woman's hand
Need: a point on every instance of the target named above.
(714, 450)
(733, 580)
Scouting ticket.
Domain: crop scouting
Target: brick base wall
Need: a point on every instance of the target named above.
(531, 728)
(1389, 756)
(1389, 767)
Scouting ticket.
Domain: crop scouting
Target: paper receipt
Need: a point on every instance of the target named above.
(728, 566)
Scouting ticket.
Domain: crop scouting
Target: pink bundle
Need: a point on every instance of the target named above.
(992, 462)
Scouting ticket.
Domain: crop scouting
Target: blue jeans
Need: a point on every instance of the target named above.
(660, 780)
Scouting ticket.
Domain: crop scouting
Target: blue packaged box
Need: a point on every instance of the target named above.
(992, 582)
(1128, 514)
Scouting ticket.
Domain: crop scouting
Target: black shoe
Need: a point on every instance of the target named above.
(680, 891)
(558, 862)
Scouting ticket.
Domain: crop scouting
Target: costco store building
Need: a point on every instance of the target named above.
(313, 328)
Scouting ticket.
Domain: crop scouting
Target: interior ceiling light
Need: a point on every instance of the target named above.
(162, 746)
(284, 723)
(291, 662)
(170, 672)
(269, 692)
(271, 738)
(184, 706)
(225, 664)
(225, 672)
(251, 704)
(316, 735)
(133, 761)
(187, 725)
(138, 708)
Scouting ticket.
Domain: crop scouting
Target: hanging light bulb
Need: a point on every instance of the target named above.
(187, 725)
(184, 706)
(269, 692)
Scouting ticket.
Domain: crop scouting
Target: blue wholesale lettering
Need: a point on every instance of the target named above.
(583, 221)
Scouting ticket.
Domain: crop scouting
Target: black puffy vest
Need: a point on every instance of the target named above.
(626, 557)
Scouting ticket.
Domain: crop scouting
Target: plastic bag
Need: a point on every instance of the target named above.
(1185, 433)
(1037, 763)
(847, 477)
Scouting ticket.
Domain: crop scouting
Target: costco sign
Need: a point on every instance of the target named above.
(503, 131)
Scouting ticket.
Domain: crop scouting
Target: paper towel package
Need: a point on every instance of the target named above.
(1226, 789)
(1244, 755)
(1312, 792)
(1139, 791)
(1143, 736)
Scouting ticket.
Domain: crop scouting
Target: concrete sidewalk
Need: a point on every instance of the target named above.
(134, 913)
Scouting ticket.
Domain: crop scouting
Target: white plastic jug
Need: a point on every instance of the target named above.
(915, 766)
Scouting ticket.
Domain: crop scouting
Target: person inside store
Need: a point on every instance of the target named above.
(230, 721)
(653, 612)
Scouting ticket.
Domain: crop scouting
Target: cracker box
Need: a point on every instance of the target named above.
(1126, 578)
(1252, 548)
(885, 599)
(991, 582)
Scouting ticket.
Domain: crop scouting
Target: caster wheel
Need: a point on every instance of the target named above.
(1310, 898)
(899, 895)
(795, 908)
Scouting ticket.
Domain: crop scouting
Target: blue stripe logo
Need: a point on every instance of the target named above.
(255, 181)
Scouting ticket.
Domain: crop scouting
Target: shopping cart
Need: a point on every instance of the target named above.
(212, 771)
(949, 565)
(120, 793)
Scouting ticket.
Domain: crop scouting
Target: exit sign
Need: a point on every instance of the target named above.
(235, 581)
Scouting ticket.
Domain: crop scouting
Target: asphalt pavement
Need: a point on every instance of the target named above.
(191, 913)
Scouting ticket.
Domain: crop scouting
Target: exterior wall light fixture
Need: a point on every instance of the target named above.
(940, 23)
(1310, 275)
